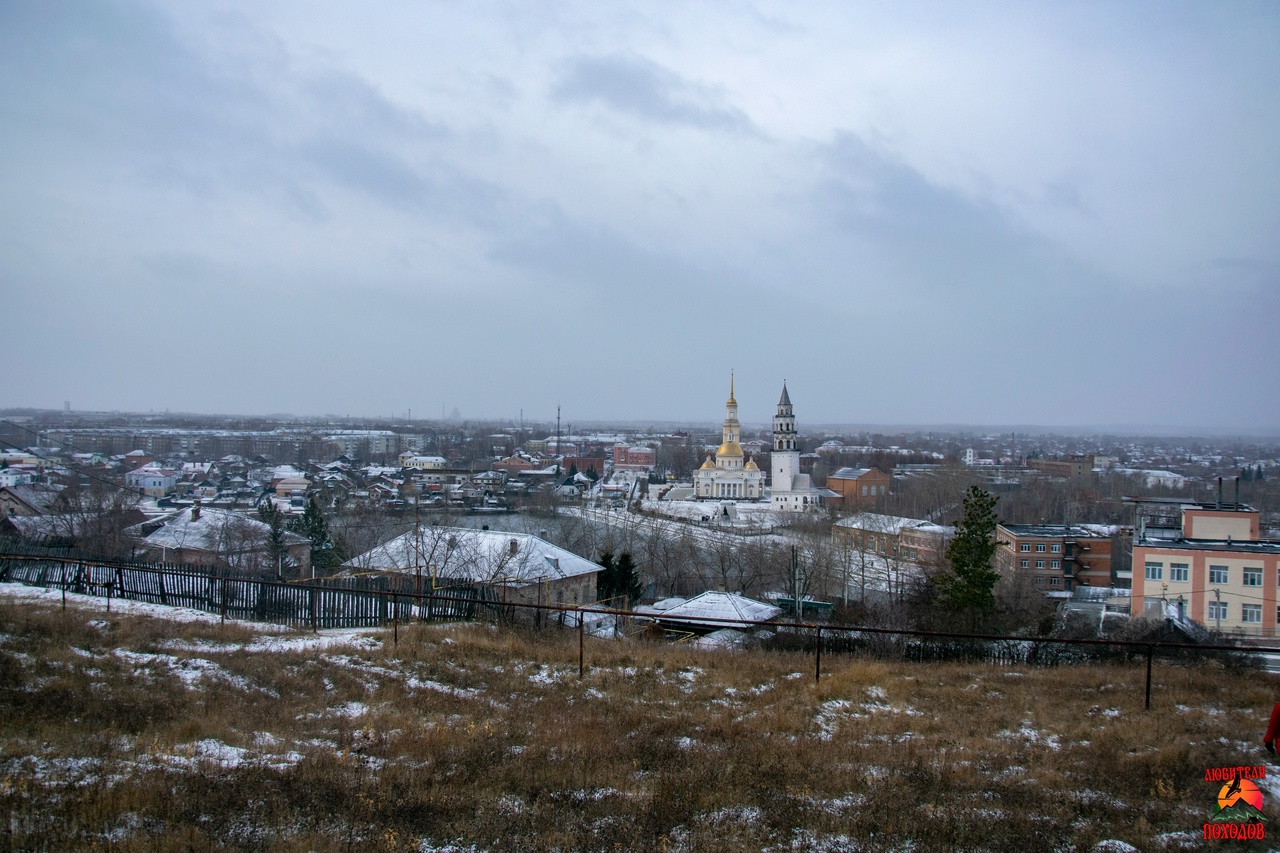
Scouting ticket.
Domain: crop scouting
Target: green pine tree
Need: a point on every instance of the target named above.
(968, 586)
(325, 552)
(277, 551)
(606, 580)
(619, 579)
(628, 580)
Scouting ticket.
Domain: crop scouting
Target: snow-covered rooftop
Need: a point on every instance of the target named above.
(733, 609)
(211, 530)
(477, 555)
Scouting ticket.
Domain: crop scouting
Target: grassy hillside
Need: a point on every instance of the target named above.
(138, 733)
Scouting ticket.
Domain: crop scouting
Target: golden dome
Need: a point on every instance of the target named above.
(708, 465)
(751, 465)
(729, 448)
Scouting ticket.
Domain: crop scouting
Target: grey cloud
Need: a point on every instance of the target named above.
(943, 243)
(642, 88)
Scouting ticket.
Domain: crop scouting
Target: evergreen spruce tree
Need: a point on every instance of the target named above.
(619, 579)
(274, 519)
(968, 586)
(606, 580)
(627, 580)
(325, 553)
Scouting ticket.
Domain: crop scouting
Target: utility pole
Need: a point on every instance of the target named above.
(1217, 611)
(795, 582)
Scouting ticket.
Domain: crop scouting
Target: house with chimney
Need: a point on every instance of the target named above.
(203, 536)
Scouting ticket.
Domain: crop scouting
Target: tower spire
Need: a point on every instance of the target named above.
(731, 400)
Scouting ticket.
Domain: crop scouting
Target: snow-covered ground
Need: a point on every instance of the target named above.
(323, 639)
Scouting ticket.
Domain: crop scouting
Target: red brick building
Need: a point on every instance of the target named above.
(858, 486)
(633, 458)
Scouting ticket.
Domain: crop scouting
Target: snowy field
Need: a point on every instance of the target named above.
(161, 727)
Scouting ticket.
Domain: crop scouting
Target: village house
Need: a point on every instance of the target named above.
(28, 499)
(520, 567)
(214, 537)
(152, 480)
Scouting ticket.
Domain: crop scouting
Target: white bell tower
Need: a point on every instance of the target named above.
(785, 459)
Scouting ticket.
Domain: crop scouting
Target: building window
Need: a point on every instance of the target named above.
(1218, 574)
(1251, 613)
(1039, 564)
(1252, 577)
(1039, 547)
(1055, 564)
(1055, 582)
(1024, 564)
(1025, 547)
(1217, 610)
(1155, 571)
(1178, 572)
(1055, 548)
(1039, 581)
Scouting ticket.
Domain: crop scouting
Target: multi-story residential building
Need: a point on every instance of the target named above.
(1058, 557)
(1213, 568)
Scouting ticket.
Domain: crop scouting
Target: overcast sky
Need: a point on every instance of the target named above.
(983, 213)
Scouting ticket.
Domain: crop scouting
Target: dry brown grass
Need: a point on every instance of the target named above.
(486, 739)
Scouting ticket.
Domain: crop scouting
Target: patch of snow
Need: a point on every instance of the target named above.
(207, 751)
(427, 684)
(1114, 845)
(1183, 840)
(192, 671)
(1030, 735)
(736, 814)
(545, 675)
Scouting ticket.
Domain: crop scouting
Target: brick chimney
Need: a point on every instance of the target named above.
(195, 511)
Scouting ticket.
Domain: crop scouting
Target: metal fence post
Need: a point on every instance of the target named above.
(817, 658)
(582, 664)
(395, 621)
(1150, 652)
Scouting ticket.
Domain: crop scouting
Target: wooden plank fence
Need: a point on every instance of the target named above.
(331, 603)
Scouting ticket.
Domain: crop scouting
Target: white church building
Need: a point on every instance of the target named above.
(729, 474)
